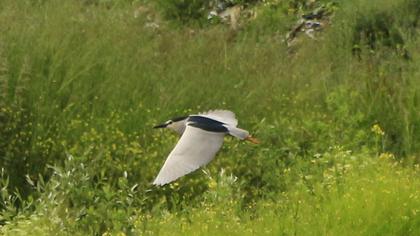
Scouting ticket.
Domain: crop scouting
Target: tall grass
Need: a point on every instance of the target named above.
(82, 84)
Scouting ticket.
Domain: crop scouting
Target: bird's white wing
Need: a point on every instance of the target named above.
(195, 148)
(224, 116)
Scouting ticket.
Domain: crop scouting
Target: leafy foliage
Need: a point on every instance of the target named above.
(83, 82)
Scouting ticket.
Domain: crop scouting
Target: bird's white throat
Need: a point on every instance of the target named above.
(178, 126)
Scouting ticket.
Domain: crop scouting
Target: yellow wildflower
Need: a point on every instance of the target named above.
(377, 130)
(212, 184)
(387, 156)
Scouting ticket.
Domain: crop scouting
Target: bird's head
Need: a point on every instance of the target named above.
(177, 124)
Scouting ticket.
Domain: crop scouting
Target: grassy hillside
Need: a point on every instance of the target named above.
(83, 82)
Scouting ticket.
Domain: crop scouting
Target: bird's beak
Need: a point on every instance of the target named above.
(252, 139)
(160, 126)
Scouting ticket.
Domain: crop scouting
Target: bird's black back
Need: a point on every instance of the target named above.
(206, 124)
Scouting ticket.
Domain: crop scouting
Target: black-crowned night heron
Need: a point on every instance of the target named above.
(201, 138)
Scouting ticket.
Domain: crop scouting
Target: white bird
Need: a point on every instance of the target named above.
(201, 138)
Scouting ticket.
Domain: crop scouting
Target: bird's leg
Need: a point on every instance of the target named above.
(252, 139)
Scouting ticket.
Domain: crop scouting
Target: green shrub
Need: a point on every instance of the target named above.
(184, 11)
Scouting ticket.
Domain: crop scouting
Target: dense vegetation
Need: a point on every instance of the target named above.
(338, 117)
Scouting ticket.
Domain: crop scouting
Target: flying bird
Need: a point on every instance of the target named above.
(201, 138)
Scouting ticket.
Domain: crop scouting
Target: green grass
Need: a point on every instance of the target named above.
(336, 193)
(82, 84)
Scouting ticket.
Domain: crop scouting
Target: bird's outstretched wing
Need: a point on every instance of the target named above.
(223, 116)
(195, 148)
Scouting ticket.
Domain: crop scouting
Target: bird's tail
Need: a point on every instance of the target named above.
(237, 132)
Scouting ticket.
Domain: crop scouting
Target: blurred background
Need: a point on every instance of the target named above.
(330, 88)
